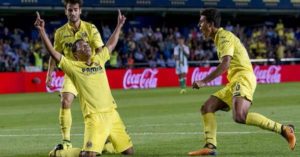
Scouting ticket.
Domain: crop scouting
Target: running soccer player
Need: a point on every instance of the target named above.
(98, 106)
(238, 93)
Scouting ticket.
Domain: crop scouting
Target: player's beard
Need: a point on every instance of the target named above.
(206, 34)
(74, 19)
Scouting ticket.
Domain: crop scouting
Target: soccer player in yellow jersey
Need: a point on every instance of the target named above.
(238, 93)
(64, 37)
(98, 106)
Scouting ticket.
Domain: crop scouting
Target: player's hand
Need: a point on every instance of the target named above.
(49, 82)
(198, 84)
(121, 18)
(39, 23)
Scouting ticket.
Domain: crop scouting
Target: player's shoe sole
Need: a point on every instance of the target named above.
(203, 152)
(288, 132)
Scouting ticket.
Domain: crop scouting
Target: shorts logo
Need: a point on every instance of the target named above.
(236, 94)
(237, 90)
(89, 144)
(237, 87)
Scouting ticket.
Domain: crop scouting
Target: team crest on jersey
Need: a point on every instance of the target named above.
(95, 68)
(84, 35)
(237, 89)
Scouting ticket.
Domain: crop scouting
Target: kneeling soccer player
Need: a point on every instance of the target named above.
(102, 121)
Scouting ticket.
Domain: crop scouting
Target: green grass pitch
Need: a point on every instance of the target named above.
(161, 122)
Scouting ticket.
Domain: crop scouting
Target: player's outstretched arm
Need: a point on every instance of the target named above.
(50, 70)
(40, 25)
(113, 40)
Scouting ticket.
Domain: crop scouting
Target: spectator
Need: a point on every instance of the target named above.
(171, 62)
(161, 61)
(113, 61)
(280, 49)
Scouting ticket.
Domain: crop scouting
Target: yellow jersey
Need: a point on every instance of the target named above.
(91, 83)
(65, 36)
(228, 44)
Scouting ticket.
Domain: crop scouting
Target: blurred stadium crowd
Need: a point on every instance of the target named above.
(153, 47)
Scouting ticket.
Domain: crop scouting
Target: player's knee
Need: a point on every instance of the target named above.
(206, 108)
(66, 101)
(203, 109)
(239, 118)
(128, 151)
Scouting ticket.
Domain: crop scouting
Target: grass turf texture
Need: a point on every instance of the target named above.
(161, 122)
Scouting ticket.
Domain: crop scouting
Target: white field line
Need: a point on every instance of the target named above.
(134, 126)
(145, 134)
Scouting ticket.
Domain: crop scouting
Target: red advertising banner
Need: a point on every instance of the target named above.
(142, 78)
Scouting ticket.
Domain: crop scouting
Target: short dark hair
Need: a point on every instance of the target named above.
(212, 16)
(80, 2)
(74, 46)
(181, 37)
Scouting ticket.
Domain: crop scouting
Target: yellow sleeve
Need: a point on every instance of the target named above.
(66, 66)
(104, 55)
(57, 44)
(225, 46)
(95, 37)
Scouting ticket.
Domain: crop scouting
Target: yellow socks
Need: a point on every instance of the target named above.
(263, 122)
(65, 121)
(255, 119)
(210, 128)
(109, 148)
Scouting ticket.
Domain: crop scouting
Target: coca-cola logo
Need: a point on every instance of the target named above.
(199, 75)
(270, 75)
(56, 83)
(145, 79)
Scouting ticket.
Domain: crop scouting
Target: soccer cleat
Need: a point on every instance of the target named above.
(54, 152)
(288, 132)
(208, 149)
(182, 91)
(66, 144)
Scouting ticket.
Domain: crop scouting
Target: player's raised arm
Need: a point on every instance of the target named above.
(40, 25)
(113, 40)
